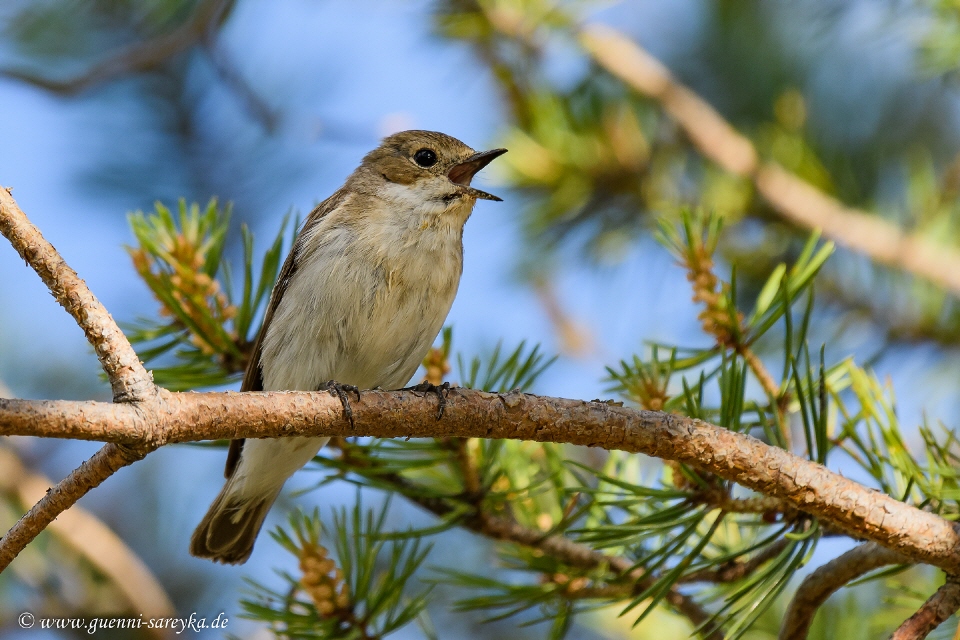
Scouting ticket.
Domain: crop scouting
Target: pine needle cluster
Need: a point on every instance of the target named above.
(579, 531)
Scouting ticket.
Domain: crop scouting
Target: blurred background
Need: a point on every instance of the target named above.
(109, 106)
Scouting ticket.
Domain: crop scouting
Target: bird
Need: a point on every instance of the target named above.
(357, 304)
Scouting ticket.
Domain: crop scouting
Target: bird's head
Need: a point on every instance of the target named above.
(426, 170)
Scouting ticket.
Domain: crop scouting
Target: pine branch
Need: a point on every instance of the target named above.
(94, 541)
(88, 475)
(809, 487)
(757, 504)
(940, 606)
(796, 200)
(825, 581)
(737, 569)
(129, 380)
(500, 528)
(156, 417)
(719, 317)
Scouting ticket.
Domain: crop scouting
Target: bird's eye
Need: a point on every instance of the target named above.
(425, 157)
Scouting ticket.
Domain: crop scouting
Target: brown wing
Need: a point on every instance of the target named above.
(253, 378)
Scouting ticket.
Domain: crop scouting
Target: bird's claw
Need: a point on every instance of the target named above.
(341, 391)
(441, 390)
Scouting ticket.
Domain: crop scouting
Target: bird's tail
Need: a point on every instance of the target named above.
(227, 533)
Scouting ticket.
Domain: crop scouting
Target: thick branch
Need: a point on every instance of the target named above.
(90, 474)
(825, 581)
(839, 502)
(130, 381)
(941, 605)
(796, 200)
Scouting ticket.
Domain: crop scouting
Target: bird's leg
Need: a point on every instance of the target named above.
(341, 391)
(428, 387)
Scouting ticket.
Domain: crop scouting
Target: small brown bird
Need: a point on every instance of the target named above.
(359, 300)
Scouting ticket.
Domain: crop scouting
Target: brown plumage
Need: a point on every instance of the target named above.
(359, 299)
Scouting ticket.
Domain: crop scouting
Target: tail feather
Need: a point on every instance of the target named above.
(229, 530)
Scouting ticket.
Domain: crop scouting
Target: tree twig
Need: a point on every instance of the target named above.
(795, 199)
(97, 543)
(129, 380)
(199, 30)
(467, 466)
(826, 580)
(726, 327)
(88, 475)
(940, 606)
(574, 337)
(582, 556)
(737, 569)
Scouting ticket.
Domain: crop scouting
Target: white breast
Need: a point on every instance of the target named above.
(368, 297)
(371, 290)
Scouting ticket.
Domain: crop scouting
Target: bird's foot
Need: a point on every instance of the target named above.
(441, 390)
(341, 391)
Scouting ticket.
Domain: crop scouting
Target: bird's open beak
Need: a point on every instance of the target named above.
(463, 173)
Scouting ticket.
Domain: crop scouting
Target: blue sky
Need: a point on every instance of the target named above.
(342, 74)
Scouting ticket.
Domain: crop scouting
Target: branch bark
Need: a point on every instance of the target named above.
(828, 579)
(793, 198)
(129, 380)
(940, 606)
(90, 474)
(839, 502)
(151, 417)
